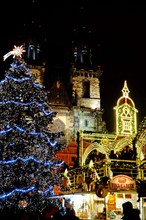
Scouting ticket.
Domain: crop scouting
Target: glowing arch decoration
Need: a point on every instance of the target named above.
(121, 143)
(141, 140)
(94, 146)
(116, 145)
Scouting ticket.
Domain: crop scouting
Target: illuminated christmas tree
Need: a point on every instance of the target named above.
(28, 168)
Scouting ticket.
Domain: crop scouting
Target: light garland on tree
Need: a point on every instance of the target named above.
(28, 170)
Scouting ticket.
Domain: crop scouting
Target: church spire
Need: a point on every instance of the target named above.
(125, 90)
(83, 54)
(34, 37)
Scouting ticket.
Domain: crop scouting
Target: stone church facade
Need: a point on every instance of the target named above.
(79, 112)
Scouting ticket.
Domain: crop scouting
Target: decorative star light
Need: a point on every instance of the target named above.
(16, 52)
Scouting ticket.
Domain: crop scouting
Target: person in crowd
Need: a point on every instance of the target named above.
(112, 155)
(127, 153)
(129, 213)
(70, 215)
(57, 216)
(94, 156)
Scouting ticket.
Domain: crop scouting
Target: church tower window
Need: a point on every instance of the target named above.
(86, 89)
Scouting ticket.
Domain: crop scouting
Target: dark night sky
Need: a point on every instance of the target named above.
(118, 33)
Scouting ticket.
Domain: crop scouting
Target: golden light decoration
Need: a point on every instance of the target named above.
(105, 141)
(30, 193)
(33, 180)
(16, 52)
(23, 203)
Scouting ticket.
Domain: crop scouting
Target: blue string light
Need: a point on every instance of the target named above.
(4, 196)
(28, 159)
(17, 190)
(26, 104)
(31, 133)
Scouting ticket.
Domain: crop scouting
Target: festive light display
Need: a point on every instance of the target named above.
(16, 52)
(28, 168)
(126, 114)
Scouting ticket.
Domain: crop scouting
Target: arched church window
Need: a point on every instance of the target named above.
(86, 89)
(86, 123)
(31, 53)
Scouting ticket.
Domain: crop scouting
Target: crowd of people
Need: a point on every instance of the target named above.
(63, 214)
(129, 213)
(125, 154)
(68, 213)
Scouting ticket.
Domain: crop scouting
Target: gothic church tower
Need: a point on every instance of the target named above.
(85, 78)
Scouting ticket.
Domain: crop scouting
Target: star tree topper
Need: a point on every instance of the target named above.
(16, 52)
